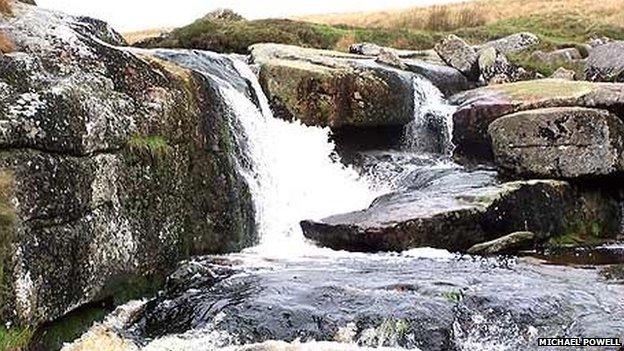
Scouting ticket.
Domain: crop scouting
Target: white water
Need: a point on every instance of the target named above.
(296, 175)
(431, 131)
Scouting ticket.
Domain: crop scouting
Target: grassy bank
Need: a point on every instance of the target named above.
(558, 23)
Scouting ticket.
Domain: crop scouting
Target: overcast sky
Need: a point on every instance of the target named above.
(129, 15)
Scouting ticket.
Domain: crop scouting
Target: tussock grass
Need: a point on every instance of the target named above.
(135, 37)
(480, 12)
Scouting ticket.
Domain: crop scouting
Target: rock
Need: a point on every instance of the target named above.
(449, 80)
(332, 89)
(562, 55)
(458, 54)
(507, 244)
(562, 73)
(480, 107)
(599, 41)
(606, 63)
(399, 222)
(391, 59)
(223, 15)
(303, 346)
(496, 69)
(514, 43)
(114, 167)
(562, 142)
(370, 49)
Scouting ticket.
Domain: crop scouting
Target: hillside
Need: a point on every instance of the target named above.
(559, 23)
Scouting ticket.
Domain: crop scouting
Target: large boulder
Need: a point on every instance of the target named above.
(449, 80)
(332, 89)
(564, 142)
(114, 166)
(480, 107)
(399, 222)
(496, 69)
(606, 63)
(458, 54)
(514, 43)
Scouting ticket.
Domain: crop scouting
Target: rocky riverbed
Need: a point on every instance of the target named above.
(347, 189)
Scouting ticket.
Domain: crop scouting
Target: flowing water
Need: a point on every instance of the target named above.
(287, 290)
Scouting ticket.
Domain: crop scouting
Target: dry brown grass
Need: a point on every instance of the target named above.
(6, 45)
(460, 15)
(5, 7)
(135, 37)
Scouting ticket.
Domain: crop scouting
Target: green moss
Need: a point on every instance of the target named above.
(545, 89)
(452, 296)
(14, 339)
(68, 328)
(581, 233)
(154, 146)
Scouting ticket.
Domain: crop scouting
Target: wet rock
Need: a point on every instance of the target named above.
(449, 80)
(606, 63)
(333, 89)
(514, 43)
(564, 142)
(299, 346)
(113, 168)
(507, 244)
(400, 221)
(562, 73)
(480, 107)
(562, 55)
(458, 54)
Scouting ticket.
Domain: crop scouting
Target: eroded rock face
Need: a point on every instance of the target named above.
(114, 166)
(332, 89)
(565, 142)
(606, 63)
(513, 43)
(458, 54)
(399, 222)
(480, 107)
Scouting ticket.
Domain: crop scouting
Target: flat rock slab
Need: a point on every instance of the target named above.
(564, 142)
(402, 221)
(480, 107)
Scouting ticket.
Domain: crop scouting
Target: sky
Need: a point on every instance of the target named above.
(131, 15)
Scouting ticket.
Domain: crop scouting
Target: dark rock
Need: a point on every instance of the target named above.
(606, 63)
(507, 244)
(399, 222)
(458, 54)
(514, 43)
(447, 79)
(326, 88)
(114, 167)
(564, 142)
(98, 29)
(480, 107)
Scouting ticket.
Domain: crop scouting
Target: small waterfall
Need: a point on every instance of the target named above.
(431, 131)
(294, 172)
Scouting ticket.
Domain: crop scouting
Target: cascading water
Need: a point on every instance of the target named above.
(294, 173)
(431, 131)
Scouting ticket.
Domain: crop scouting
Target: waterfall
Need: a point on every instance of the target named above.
(294, 173)
(431, 131)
